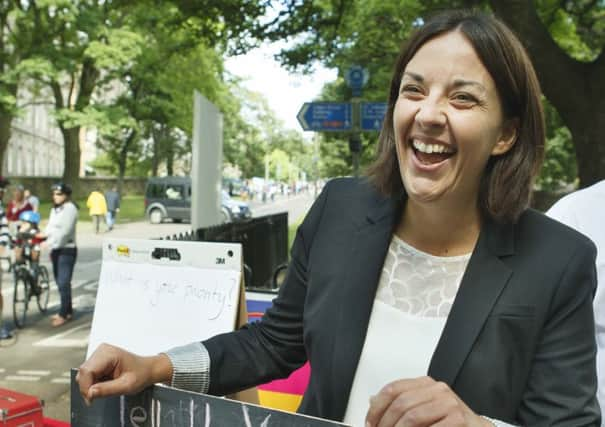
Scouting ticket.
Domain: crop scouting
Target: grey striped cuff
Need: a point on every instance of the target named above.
(190, 367)
(497, 423)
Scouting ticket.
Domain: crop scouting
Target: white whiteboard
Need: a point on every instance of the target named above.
(149, 305)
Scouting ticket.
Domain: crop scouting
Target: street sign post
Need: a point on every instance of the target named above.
(325, 116)
(372, 115)
(353, 117)
(356, 78)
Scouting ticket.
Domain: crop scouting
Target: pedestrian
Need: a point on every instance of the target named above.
(428, 292)
(32, 200)
(4, 244)
(584, 211)
(60, 235)
(112, 198)
(97, 208)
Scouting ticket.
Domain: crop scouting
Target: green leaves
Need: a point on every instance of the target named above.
(115, 49)
(559, 167)
(8, 102)
(565, 32)
(109, 121)
(37, 68)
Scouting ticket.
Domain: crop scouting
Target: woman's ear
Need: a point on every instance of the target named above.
(508, 137)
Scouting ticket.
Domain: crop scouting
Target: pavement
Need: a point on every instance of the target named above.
(37, 360)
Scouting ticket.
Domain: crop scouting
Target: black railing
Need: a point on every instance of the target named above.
(264, 242)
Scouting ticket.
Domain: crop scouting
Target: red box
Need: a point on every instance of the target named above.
(20, 410)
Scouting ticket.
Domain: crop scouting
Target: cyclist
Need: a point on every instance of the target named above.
(4, 244)
(28, 229)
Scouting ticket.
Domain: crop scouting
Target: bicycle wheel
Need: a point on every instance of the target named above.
(43, 288)
(20, 299)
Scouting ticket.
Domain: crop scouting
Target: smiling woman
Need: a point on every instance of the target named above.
(428, 294)
(448, 122)
(483, 82)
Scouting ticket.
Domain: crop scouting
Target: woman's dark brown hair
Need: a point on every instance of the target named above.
(507, 182)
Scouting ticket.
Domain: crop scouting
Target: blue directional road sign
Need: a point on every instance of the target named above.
(325, 116)
(372, 115)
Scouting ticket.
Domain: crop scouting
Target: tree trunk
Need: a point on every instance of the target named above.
(71, 154)
(588, 143)
(156, 136)
(5, 134)
(6, 119)
(71, 136)
(574, 88)
(121, 172)
(170, 161)
(122, 161)
(155, 163)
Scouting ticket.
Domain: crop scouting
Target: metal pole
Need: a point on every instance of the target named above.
(355, 137)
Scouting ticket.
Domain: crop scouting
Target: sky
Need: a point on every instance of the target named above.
(285, 92)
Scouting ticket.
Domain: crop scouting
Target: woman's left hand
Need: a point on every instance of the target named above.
(420, 402)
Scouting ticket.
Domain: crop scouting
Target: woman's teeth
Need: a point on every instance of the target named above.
(430, 148)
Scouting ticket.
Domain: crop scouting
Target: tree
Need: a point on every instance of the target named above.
(86, 44)
(9, 57)
(83, 44)
(571, 79)
(565, 40)
(15, 67)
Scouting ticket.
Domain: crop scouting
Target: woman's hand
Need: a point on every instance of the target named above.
(420, 402)
(113, 371)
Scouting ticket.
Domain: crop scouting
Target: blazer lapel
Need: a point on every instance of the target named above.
(370, 245)
(485, 278)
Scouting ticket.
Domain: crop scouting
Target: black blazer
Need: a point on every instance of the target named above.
(518, 344)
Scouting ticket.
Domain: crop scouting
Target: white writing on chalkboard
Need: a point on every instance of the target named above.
(247, 418)
(185, 411)
(165, 406)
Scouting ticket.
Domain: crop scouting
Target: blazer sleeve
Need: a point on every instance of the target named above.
(561, 389)
(273, 347)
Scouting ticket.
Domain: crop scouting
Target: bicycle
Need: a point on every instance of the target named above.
(5, 249)
(25, 288)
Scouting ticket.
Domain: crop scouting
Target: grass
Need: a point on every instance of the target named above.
(131, 209)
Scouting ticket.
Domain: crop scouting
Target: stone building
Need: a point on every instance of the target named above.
(36, 145)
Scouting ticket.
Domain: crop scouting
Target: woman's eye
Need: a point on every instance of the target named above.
(410, 89)
(464, 97)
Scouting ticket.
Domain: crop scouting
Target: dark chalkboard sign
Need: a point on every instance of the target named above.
(165, 406)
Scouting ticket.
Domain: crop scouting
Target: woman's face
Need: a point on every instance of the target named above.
(447, 122)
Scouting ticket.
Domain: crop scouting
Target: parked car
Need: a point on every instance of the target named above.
(170, 198)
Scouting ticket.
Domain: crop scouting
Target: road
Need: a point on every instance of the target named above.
(38, 359)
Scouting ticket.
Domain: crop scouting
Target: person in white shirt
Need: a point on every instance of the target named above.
(61, 234)
(584, 210)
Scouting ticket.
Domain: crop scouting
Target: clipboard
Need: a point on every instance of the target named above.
(157, 294)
